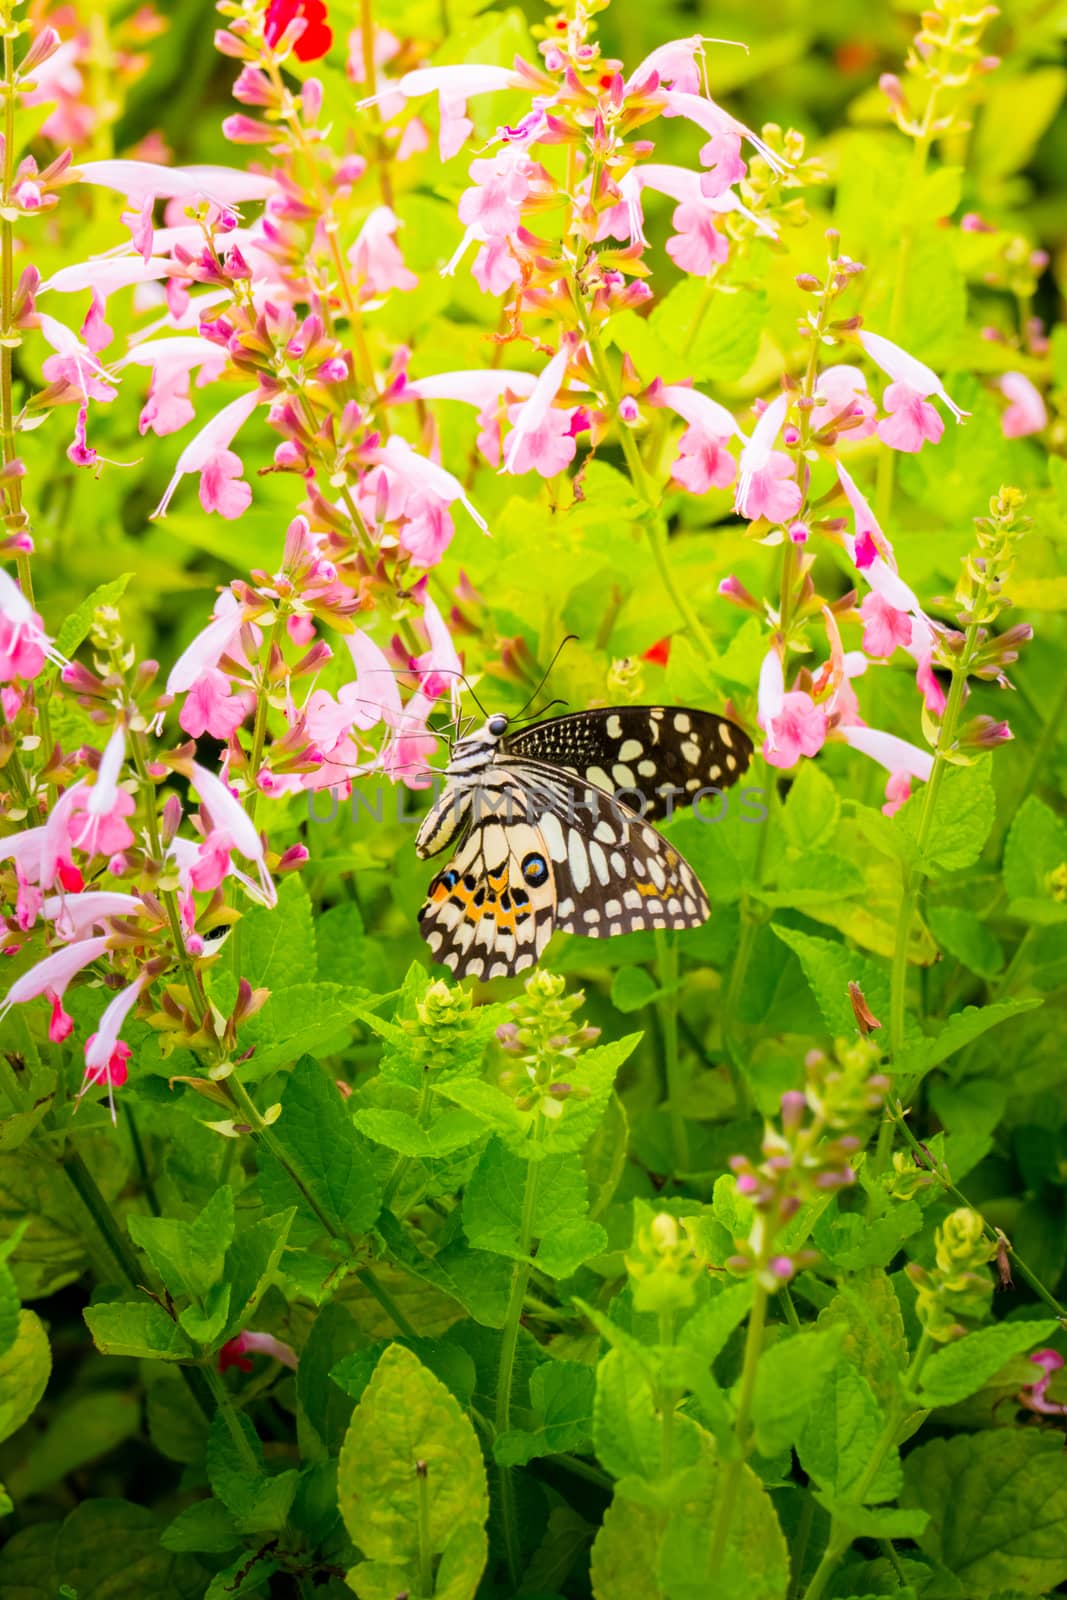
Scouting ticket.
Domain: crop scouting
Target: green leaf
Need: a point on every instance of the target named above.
(111, 1550)
(998, 1508)
(337, 1190)
(829, 969)
(81, 1430)
(788, 1377)
(297, 1022)
(711, 1325)
(277, 943)
(206, 1528)
(251, 1264)
(76, 625)
(561, 1236)
(963, 816)
(478, 1281)
(755, 1562)
(627, 1427)
(324, 1409)
(561, 1396)
(838, 1436)
(136, 1328)
(25, 1368)
(188, 1255)
(625, 1558)
(960, 1029)
(411, 1482)
(880, 1239)
(9, 1308)
(812, 808)
(967, 939)
(257, 1502)
(632, 988)
(397, 1130)
(962, 1368)
(874, 1522)
(868, 1313)
(1035, 848)
(1015, 114)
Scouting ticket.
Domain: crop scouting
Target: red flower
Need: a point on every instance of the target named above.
(317, 36)
(232, 1354)
(660, 653)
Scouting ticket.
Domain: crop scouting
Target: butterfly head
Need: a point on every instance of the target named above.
(478, 749)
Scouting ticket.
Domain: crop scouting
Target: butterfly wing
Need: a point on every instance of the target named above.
(655, 751)
(491, 910)
(559, 854)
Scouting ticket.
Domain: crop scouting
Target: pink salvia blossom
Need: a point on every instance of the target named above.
(375, 256)
(54, 972)
(902, 368)
(229, 817)
(205, 452)
(767, 486)
(1026, 412)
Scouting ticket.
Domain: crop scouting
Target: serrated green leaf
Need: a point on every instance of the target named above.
(627, 1424)
(76, 626)
(997, 1504)
(960, 1029)
(625, 1557)
(188, 1255)
(967, 939)
(755, 1562)
(136, 1328)
(1036, 846)
(788, 1377)
(25, 1368)
(561, 1236)
(251, 1264)
(561, 1397)
(396, 1130)
(829, 969)
(337, 1189)
(963, 816)
(206, 1528)
(812, 808)
(277, 943)
(85, 1428)
(110, 1548)
(257, 1502)
(411, 1461)
(962, 1368)
(874, 1522)
(838, 1436)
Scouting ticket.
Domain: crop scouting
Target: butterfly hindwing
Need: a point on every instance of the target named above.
(614, 873)
(490, 911)
(654, 751)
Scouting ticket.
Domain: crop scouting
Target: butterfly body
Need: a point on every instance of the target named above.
(551, 829)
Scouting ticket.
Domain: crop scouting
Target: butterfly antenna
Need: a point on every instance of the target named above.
(571, 638)
(543, 712)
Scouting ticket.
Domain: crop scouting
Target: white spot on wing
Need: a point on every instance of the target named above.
(552, 833)
(630, 750)
(579, 860)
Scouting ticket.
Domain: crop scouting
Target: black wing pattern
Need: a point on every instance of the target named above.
(654, 751)
(558, 854)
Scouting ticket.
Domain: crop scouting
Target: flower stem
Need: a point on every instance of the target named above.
(225, 1407)
(667, 1400)
(373, 1285)
(667, 953)
(425, 1542)
(520, 1278)
(729, 1485)
(912, 878)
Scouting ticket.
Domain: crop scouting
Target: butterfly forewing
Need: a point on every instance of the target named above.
(654, 752)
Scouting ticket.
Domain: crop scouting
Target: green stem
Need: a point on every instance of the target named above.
(372, 1284)
(667, 952)
(1043, 748)
(643, 484)
(730, 1471)
(262, 1132)
(425, 1539)
(88, 1192)
(224, 1405)
(896, 1114)
(520, 1278)
(668, 1400)
(912, 880)
(142, 1164)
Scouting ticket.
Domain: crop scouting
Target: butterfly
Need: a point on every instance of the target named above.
(551, 824)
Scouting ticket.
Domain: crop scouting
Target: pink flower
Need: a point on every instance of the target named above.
(495, 269)
(375, 256)
(884, 626)
(911, 421)
(698, 244)
(714, 120)
(1027, 412)
(541, 437)
(204, 452)
(895, 755)
(674, 63)
(233, 1352)
(493, 208)
(136, 180)
(24, 645)
(766, 487)
(408, 473)
(61, 1023)
(902, 368)
(897, 791)
(74, 914)
(842, 394)
(407, 755)
(722, 158)
(798, 730)
(229, 818)
(52, 975)
(106, 1055)
(427, 530)
(211, 707)
(1033, 1395)
(932, 692)
(222, 488)
(703, 461)
(218, 639)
